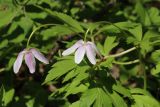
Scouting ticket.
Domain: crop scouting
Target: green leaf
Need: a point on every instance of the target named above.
(8, 96)
(7, 13)
(3, 43)
(102, 100)
(95, 96)
(155, 71)
(145, 44)
(58, 30)
(88, 97)
(91, 26)
(76, 86)
(154, 15)
(156, 56)
(142, 13)
(66, 19)
(139, 91)
(145, 101)
(122, 90)
(18, 39)
(118, 100)
(60, 68)
(26, 24)
(108, 62)
(34, 15)
(75, 72)
(117, 27)
(109, 44)
(75, 104)
(137, 32)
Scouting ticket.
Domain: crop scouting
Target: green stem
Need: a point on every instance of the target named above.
(142, 69)
(127, 63)
(145, 80)
(144, 75)
(120, 54)
(117, 55)
(85, 36)
(31, 35)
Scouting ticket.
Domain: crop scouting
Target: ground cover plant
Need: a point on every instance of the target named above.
(79, 53)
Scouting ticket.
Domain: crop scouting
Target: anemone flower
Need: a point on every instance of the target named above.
(29, 56)
(81, 49)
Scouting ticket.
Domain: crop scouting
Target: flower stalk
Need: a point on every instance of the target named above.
(120, 54)
(126, 63)
(31, 35)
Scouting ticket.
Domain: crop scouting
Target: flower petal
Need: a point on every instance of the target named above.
(73, 48)
(39, 56)
(30, 61)
(18, 62)
(79, 54)
(91, 54)
(94, 47)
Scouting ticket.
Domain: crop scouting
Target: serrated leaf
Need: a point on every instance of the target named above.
(75, 72)
(3, 43)
(7, 12)
(118, 100)
(137, 32)
(145, 101)
(88, 97)
(66, 19)
(34, 15)
(122, 90)
(75, 86)
(8, 96)
(26, 24)
(141, 12)
(95, 96)
(91, 26)
(108, 62)
(155, 71)
(102, 100)
(58, 30)
(109, 44)
(60, 68)
(117, 27)
(75, 104)
(154, 15)
(18, 39)
(156, 56)
(139, 91)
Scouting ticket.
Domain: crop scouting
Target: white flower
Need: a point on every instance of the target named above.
(81, 48)
(29, 56)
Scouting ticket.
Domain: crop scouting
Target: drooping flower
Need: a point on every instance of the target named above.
(81, 49)
(29, 56)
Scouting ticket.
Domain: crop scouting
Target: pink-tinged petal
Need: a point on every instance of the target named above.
(94, 47)
(79, 54)
(39, 56)
(91, 54)
(30, 61)
(73, 48)
(18, 62)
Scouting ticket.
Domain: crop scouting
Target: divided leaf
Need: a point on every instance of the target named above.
(60, 68)
(66, 19)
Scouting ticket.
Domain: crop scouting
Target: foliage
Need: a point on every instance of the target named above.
(125, 32)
